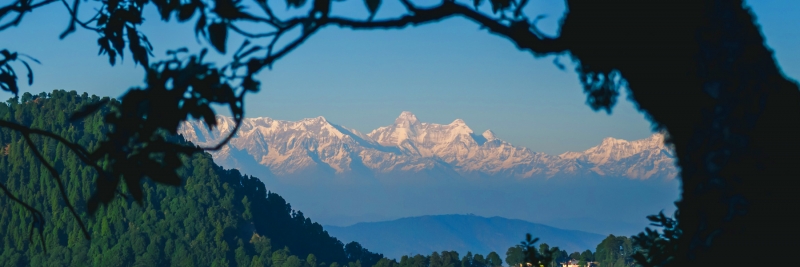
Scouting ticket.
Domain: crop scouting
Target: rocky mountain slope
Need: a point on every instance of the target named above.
(315, 145)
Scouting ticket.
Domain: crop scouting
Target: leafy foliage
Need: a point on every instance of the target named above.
(8, 77)
(216, 217)
(446, 259)
(616, 251)
(135, 146)
(526, 254)
(356, 253)
(661, 247)
(533, 256)
(515, 256)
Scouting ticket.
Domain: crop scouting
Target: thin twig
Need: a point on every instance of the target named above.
(409, 6)
(77, 149)
(38, 218)
(521, 36)
(73, 12)
(20, 8)
(59, 182)
(250, 35)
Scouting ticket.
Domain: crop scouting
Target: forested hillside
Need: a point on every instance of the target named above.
(216, 218)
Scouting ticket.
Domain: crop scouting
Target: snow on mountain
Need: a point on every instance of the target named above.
(408, 145)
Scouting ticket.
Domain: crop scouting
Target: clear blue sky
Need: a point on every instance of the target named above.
(364, 79)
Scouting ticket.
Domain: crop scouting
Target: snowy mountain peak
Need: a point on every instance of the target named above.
(656, 138)
(408, 147)
(458, 122)
(489, 135)
(459, 127)
(318, 119)
(612, 141)
(406, 119)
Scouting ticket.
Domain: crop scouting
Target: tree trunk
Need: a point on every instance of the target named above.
(701, 71)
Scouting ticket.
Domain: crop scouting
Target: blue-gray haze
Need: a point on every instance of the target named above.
(462, 233)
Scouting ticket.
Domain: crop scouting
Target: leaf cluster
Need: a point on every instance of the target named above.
(532, 255)
(601, 87)
(616, 251)
(8, 77)
(446, 259)
(658, 248)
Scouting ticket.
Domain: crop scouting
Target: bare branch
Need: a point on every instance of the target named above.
(518, 32)
(227, 138)
(38, 218)
(250, 35)
(77, 149)
(271, 58)
(409, 6)
(233, 132)
(73, 18)
(520, 6)
(20, 7)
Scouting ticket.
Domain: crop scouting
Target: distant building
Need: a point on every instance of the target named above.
(574, 263)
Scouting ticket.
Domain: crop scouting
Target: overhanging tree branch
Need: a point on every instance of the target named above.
(77, 149)
(38, 218)
(518, 32)
(59, 182)
(20, 7)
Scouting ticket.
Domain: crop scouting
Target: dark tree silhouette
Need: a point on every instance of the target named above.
(699, 69)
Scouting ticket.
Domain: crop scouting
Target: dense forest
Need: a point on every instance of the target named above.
(451, 259)
(217, 217)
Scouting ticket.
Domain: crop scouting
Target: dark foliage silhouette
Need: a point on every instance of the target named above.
(356, 253)
(217, 217)
(699, 69)
(533, 256)
(443, 259)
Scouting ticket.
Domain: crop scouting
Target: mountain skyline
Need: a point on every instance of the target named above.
(409, 146)
(413, 168)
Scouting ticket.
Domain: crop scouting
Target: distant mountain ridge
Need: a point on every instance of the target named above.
(286, 148)
(462, 233)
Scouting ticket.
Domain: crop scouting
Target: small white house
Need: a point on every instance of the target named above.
(570, 263)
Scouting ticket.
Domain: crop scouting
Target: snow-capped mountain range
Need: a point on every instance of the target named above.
(289, 148)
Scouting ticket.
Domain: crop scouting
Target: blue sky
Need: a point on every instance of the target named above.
(364, 79)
